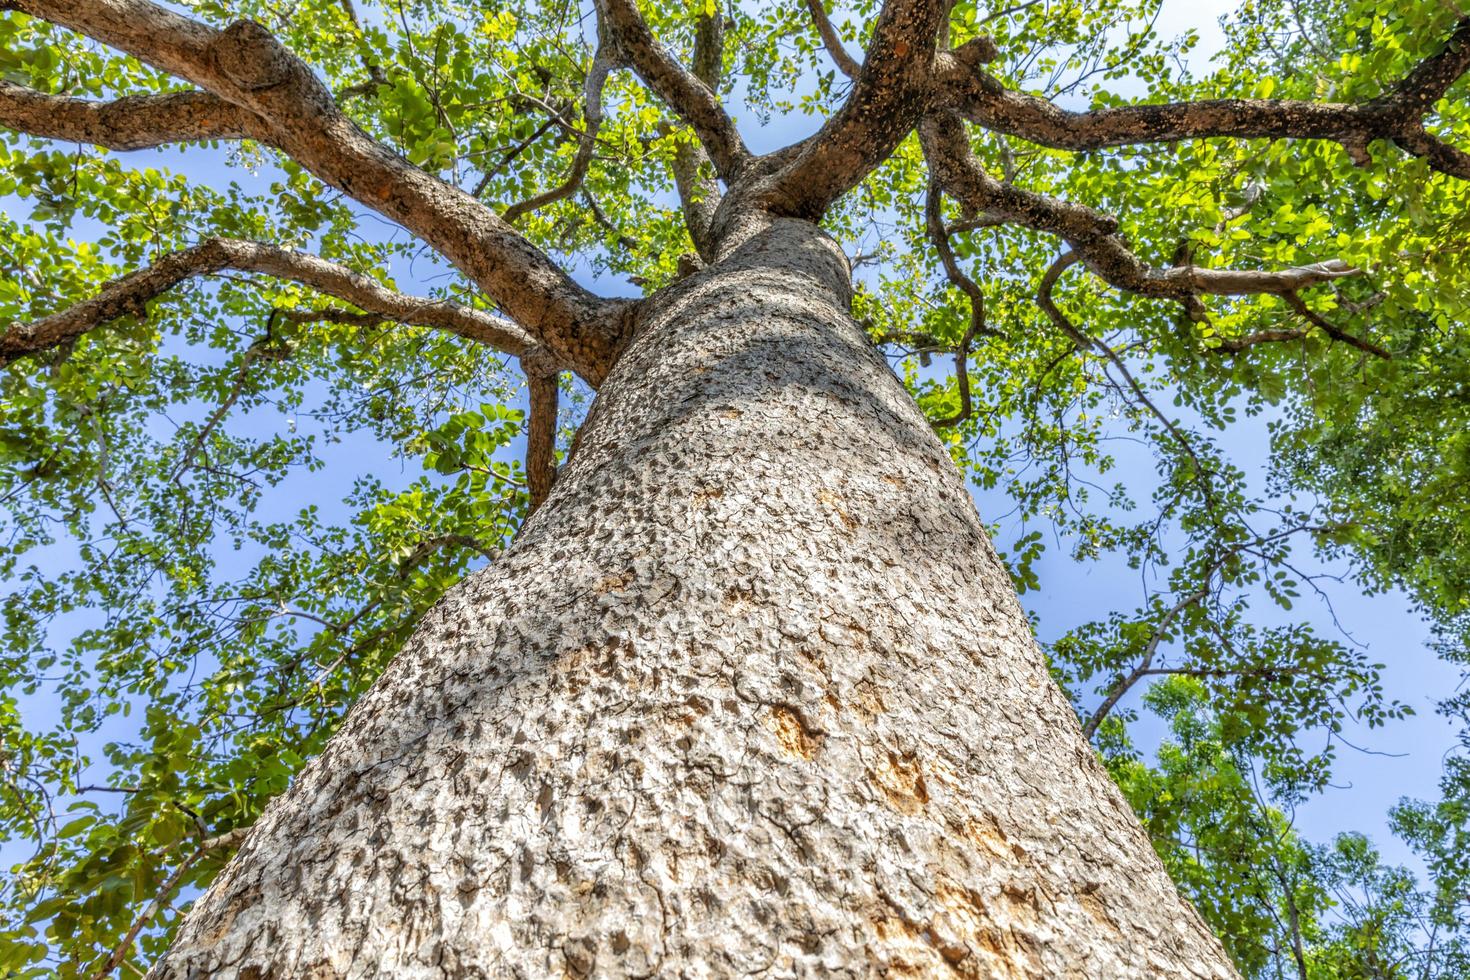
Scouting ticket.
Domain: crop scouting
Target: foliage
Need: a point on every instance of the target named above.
(224, 513)
(1284, 906)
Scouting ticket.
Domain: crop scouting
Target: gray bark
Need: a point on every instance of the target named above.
(751, 694)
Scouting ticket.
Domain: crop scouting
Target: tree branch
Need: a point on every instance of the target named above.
(893, 90)
(263, 349)
(1145, 666)
(699, 191)
(1087, 342)
(602, 63)
(1317, 320)
(691, 99)
(1397, 115)
(425, 548)
(1436, 152)
(508, 157)
(134, 122)
(831, 41)
(129, 294)
(1428, 81)
(1237, 345)
(247, 66)
(1092, 234)
(699, 196)
(229, 839)
(544, 381)
(939, 235)
(600, 216)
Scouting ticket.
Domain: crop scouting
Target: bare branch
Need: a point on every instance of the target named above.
(831, 41)
(134, 122)
(984, 100)
(692, 99)
(708, 63)
(977, 223)
(129, 294)
(699, 196)
(1397, 115)
(247, 66)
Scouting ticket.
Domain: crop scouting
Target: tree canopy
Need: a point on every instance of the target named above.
(265, 263)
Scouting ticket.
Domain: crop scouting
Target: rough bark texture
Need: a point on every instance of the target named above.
(135, 122)
(130, 294)
(750, 695)
(1092, 234)
(251, 69)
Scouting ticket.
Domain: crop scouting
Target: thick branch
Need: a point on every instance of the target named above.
(543, 380)
(708, 59)
(134, 122)
(893, 90)
(1436, 152)
(130, 294)
(686, 94)
(1397, 115)
(1427, 82)
(984, 100)
(699, 196)
(1093, 234)
(247, 66)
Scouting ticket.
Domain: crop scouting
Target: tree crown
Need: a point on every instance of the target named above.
(245, 240)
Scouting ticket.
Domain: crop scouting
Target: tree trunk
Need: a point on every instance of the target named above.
(751, 694)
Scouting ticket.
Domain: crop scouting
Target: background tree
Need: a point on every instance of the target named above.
(1102, 240)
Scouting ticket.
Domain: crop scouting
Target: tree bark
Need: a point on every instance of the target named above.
(750, 694)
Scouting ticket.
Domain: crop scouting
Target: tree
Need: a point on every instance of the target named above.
(744, 685)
